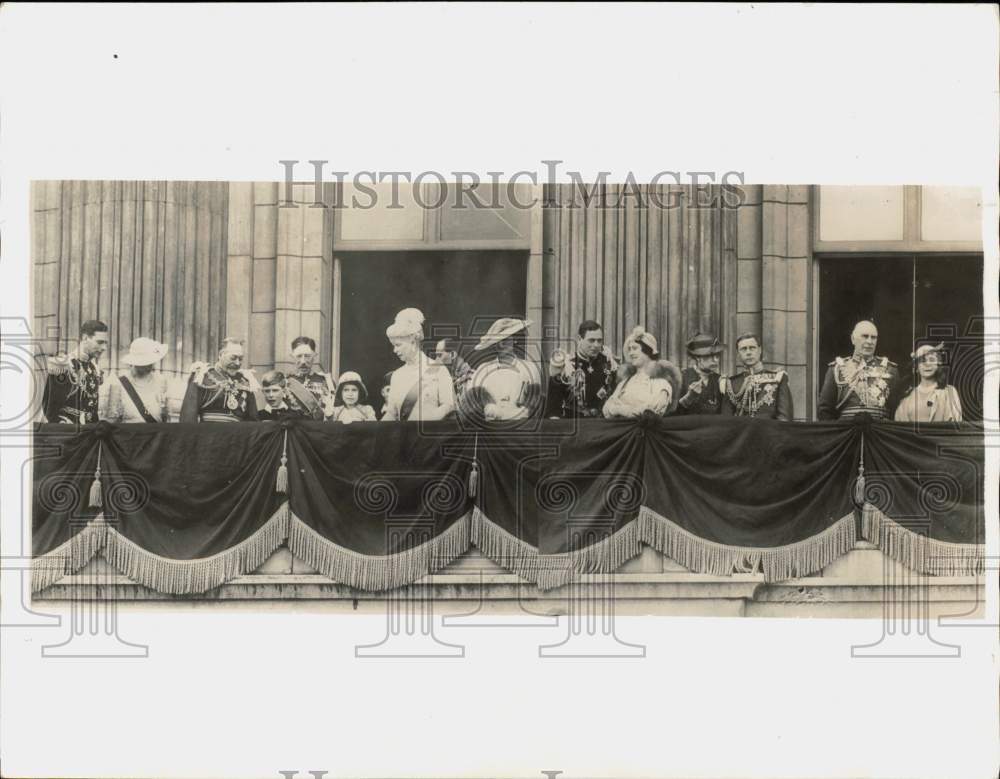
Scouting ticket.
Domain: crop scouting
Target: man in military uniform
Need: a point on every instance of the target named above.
(703, 388)
(309, 381)
(221, 392)
(861, 383)
(74, 380)
(756, 391)
(579, 384)
(446, 353)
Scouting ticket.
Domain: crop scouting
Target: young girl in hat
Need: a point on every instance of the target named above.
(647, 383)
(350, 401)
(931, 399)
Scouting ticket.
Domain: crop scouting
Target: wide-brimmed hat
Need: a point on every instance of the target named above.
(500, 330)
(703, 345)
(144, 351)
(927, 349)
(640, 336)
(350, 377)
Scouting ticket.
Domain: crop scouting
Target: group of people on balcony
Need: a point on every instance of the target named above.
(503, 384)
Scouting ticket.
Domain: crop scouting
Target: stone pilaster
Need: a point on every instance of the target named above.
(786, 281)
(303, 275)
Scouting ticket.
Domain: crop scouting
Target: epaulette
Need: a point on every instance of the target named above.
(198, 371)
(57, 365)
(838, 361)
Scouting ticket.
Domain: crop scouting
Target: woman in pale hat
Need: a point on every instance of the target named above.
(141, 394)
(647, 382)
(350, 400)
(931, 398)
(511, 383)
(419, 389)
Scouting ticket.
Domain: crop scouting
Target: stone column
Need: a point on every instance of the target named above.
(748, 259)
(303, 275)
(786, 281)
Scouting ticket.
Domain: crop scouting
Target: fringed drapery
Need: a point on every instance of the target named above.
(187, 508)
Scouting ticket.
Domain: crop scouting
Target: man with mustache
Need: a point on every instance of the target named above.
(862, 383)
(703, 388)
(310, 390)
(222, 392)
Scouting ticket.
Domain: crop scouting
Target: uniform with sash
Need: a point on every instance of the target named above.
(859, 385)
(761, 393)
(322, 388)
(71, 392)
(214, 396)
(580, 386)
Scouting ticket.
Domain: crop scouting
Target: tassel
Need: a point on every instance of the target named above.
(474, 480)
(282, 480)
(474, 473)
(859, 482)
(96, 500)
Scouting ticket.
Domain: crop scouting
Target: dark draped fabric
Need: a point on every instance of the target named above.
(184, 508)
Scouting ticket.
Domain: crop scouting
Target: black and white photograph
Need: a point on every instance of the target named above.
(588, 417)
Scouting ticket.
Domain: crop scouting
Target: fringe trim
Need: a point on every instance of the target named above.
(776, 563)
(918, 552)
(377, 572)
(603, 557)
(503, 548)
(70, 556)
(183, 577)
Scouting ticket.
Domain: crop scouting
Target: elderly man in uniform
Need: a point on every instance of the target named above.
(222, 392)
(862, 383)
(74, 381)
(579, 385)
(309, 388)
(756, 391)
(703, 388)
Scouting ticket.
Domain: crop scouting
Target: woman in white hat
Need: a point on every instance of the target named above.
(351, 399)
(512, 384)
(419, 389)
(932, 399)
(647, 384)
(141, 394)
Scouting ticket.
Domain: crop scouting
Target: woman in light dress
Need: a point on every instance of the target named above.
(419, 389)
(647, 384)
(141, 394)
(932, 399)
(510, 383)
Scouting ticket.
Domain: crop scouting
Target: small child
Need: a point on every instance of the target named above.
(349, 400)
(386, 381)
(272, 384)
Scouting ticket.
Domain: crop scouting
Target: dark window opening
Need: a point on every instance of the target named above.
(911, 299)
(459, 292)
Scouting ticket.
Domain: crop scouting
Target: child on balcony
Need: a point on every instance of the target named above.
(350, 399)
(272, 384)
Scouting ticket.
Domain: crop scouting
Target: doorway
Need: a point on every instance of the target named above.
(911, 298)
(459, 292)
